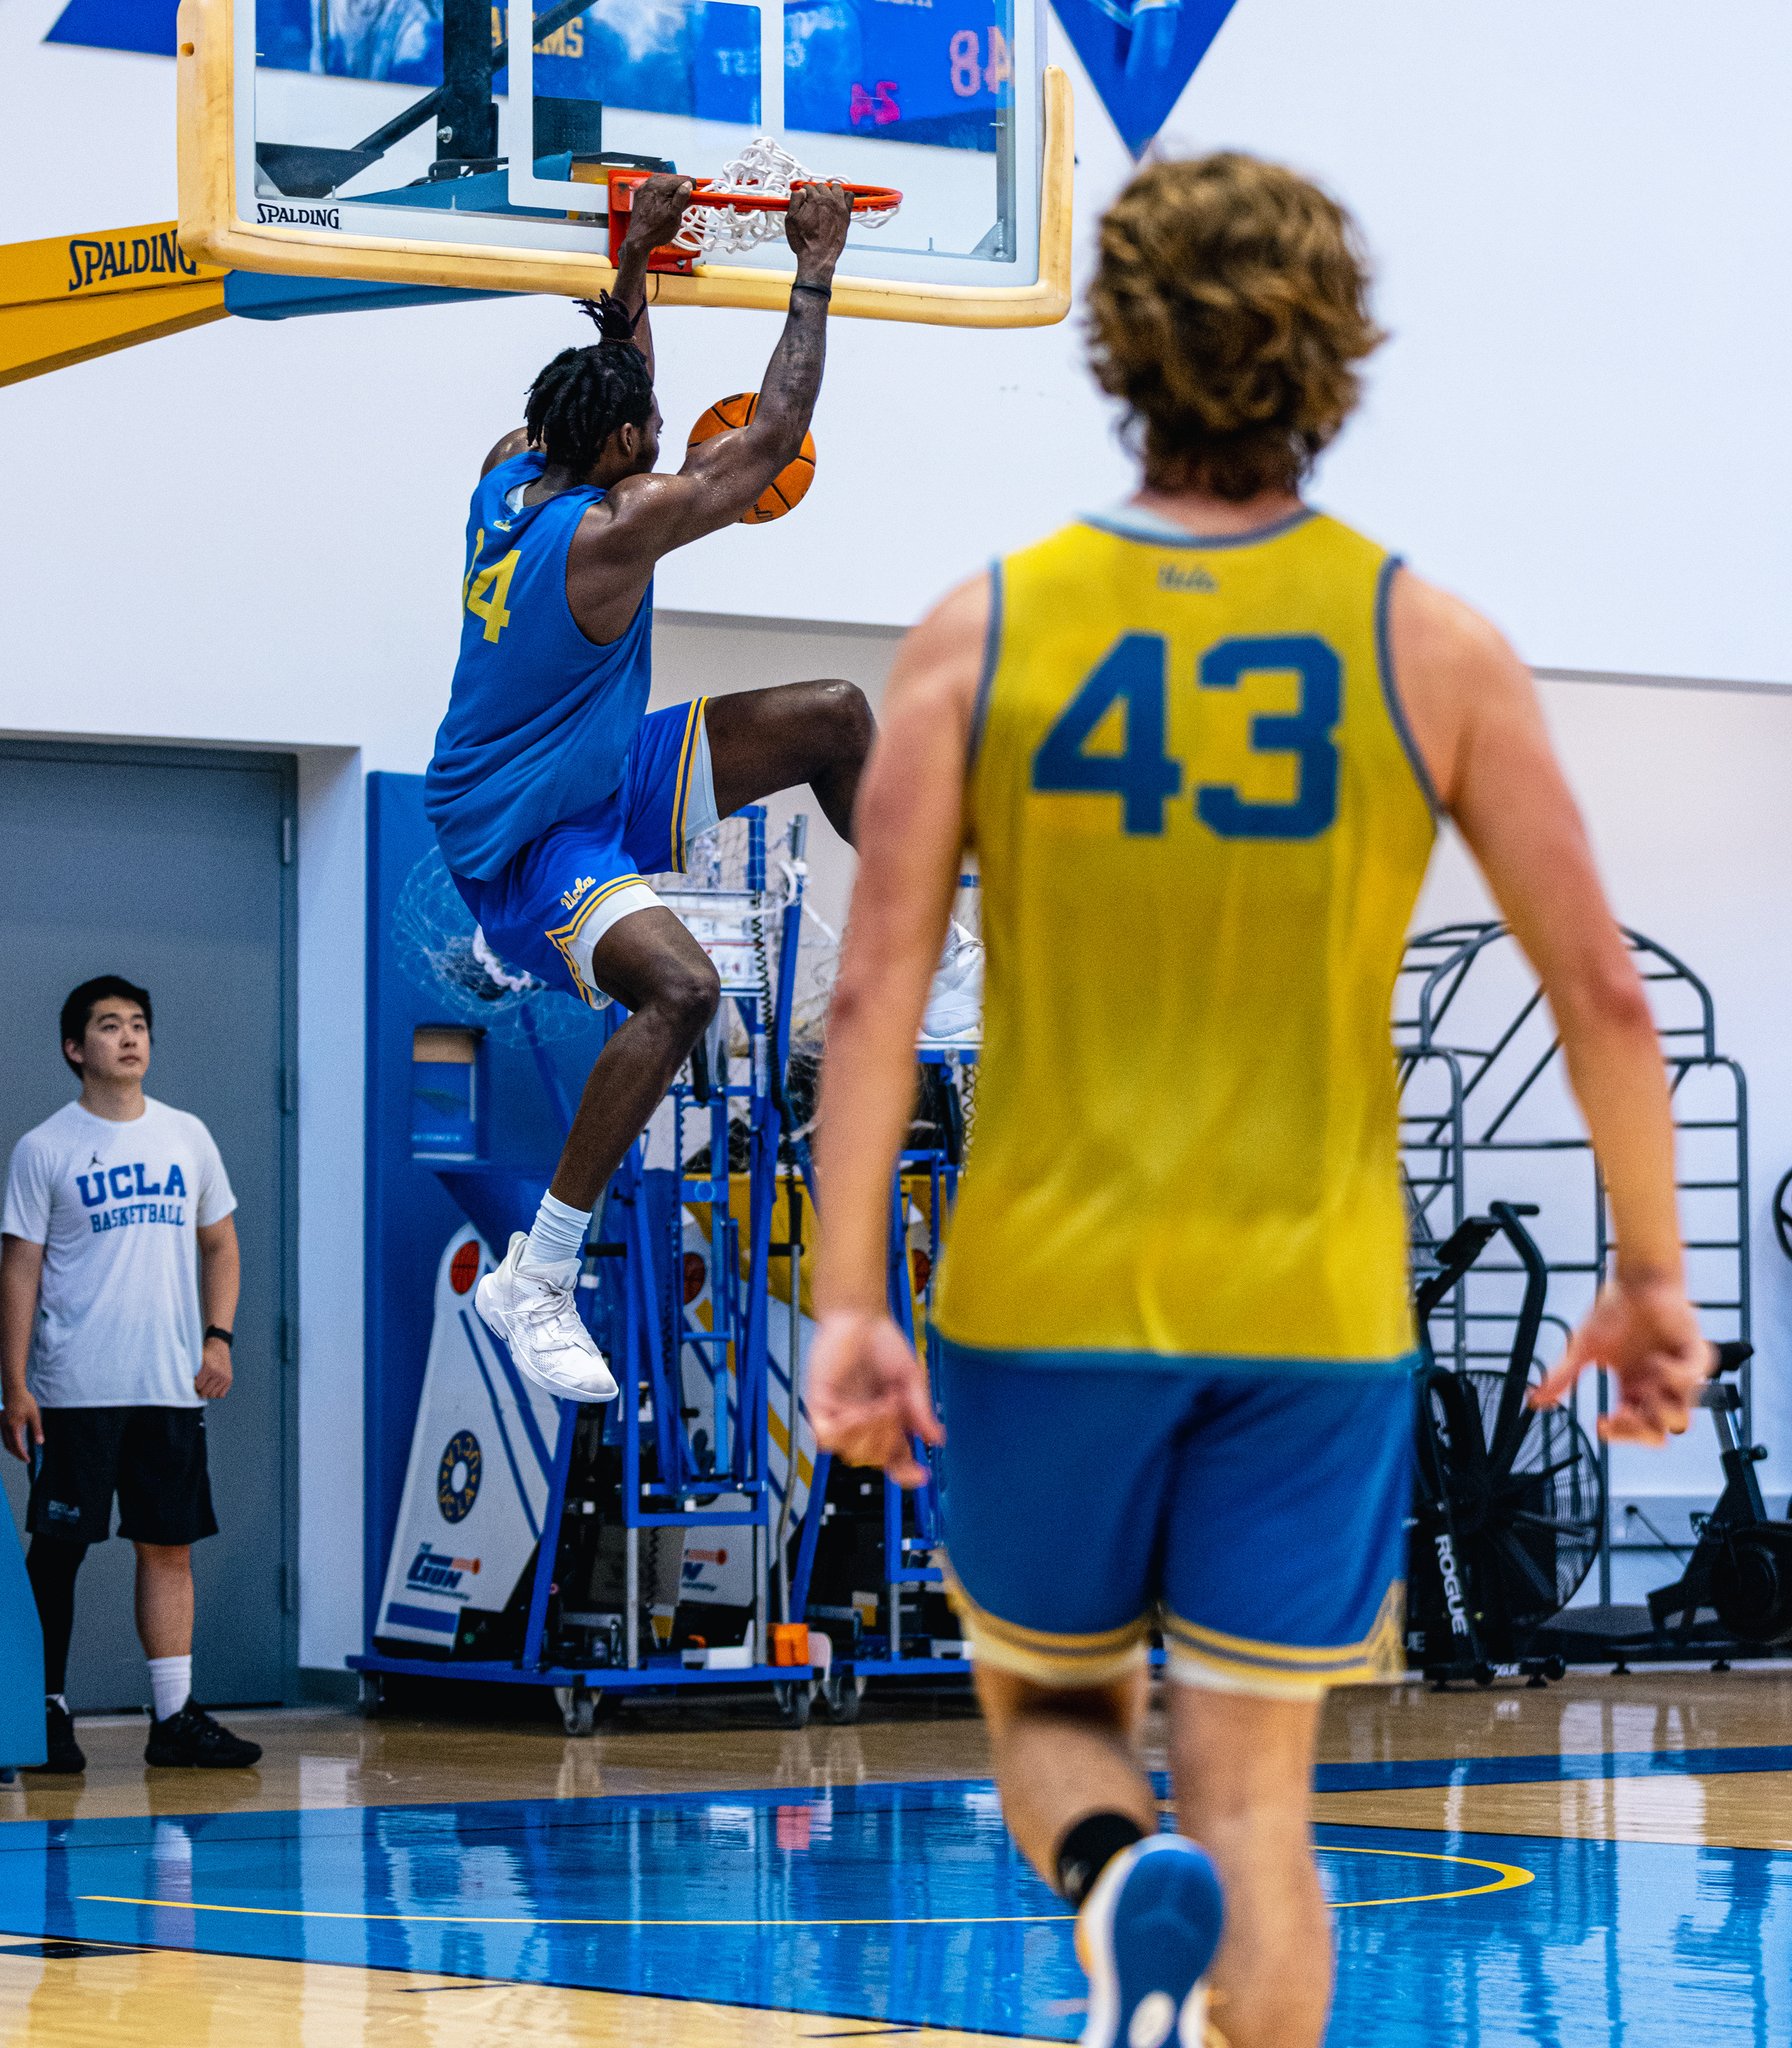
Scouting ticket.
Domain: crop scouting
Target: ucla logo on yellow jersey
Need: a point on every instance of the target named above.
(1201, 832)
(1174, 576)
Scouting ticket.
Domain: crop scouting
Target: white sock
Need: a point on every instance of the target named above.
(170, 1684)
(556, 1245)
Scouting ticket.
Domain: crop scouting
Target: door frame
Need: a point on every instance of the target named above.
(283, 767)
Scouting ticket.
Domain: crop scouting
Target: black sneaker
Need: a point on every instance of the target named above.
(63, 1755)
(192, 1740)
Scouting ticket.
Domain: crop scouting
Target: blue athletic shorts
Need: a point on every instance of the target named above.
(1258, 1519)
(552, 901)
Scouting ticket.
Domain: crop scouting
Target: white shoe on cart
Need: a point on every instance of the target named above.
(540, 1322)
(954, 1015)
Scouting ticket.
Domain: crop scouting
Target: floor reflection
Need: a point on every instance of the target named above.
(904, 1904)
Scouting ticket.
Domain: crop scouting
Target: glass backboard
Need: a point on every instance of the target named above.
(458, 143)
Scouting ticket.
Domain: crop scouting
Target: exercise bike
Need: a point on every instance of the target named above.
(1510, 1506)
(1509, 1513)
(1741, 1564)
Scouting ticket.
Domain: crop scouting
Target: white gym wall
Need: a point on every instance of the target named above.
(252, 533)
(1687, 790)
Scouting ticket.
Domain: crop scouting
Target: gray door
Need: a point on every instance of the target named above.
(174, 869)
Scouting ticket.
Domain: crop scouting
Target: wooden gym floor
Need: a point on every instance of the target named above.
(1606, 1861)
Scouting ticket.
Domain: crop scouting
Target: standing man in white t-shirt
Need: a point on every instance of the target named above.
(116, 1225)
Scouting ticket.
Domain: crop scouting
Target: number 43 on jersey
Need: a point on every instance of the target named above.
(1144, 776)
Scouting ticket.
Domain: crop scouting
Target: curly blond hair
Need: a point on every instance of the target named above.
(1229, 312)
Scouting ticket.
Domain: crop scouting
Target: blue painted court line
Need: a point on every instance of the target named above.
(1389, 1774)
(907, 1905)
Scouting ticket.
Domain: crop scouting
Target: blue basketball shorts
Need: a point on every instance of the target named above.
(554, 899)
(1257, 1518)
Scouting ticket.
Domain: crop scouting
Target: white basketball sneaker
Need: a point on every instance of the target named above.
(954, 1013)
(540, 1322)
(1145, 1936)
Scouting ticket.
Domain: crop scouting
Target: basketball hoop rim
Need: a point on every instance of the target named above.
(865, 198)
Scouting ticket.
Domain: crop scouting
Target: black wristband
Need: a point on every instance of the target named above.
(821, 291)
(225, 1337)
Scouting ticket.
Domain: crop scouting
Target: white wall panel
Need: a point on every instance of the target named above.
(1581, 421)
(1686, 792)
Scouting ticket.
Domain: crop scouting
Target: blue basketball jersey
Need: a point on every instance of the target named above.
(539, 718)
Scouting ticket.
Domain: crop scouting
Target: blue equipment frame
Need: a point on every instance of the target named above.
(643, 1301)
(911, 1520)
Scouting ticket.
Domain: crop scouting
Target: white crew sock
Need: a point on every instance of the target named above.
(170, 1684)
(556, 1245)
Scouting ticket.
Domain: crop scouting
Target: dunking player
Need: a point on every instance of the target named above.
(1199, 744)
(551, 793)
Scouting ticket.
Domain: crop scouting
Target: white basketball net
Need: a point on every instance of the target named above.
(763, 166)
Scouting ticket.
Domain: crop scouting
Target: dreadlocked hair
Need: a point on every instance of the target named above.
(585, 394)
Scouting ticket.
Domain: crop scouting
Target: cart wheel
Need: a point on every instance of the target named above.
(795, 1703)
(1483, 1675)
(842, 1691)
(578, 1708)
(1555, 1669)
(373, 1694)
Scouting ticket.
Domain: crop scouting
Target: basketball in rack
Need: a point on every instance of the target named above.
(741, 208)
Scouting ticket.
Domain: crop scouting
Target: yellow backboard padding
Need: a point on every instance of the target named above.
(213, 230)
(51, 334)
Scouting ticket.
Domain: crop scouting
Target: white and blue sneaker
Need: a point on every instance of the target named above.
(955, 1003)
(1145, 1937)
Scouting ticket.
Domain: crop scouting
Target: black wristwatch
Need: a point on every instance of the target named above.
(224, 1337)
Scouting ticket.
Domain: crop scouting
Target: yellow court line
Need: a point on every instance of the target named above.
(1511, 1875)
(1508, 1877)
(518, 1920)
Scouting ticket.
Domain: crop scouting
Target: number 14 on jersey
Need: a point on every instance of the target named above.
(486, 592)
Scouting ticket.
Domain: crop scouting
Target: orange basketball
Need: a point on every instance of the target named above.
(787, 489)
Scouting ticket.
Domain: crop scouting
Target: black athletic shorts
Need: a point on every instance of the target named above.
(153, 1459)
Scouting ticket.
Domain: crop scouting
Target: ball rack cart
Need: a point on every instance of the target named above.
(633, 1296)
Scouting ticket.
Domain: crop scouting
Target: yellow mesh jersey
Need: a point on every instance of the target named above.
(1201, 829)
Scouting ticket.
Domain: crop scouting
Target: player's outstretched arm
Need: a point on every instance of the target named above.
(867, 1392)
(1480, 726)
(723, 477)
(655, 212)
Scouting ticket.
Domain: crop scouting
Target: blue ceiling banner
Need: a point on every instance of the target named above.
(1140, 54)
(146, 25)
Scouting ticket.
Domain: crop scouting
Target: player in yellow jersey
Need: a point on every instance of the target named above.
(1198, 745)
